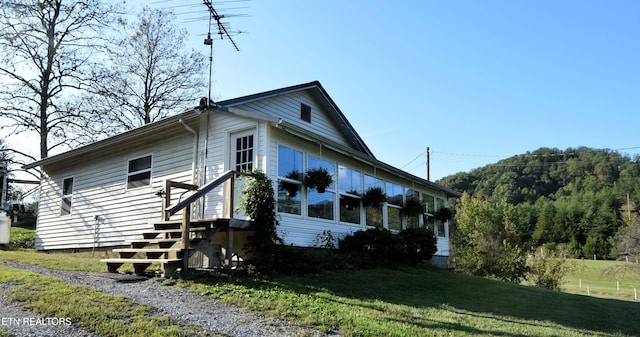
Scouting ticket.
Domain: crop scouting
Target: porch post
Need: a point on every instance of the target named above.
(186, 224)
(229, 247)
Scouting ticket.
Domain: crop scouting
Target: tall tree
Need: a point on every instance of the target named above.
(486, 241)
(46, 51)
(150, 74)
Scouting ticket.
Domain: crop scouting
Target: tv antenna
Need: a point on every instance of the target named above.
(222, 32)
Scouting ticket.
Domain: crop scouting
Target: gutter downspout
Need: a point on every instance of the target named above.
(206, 155)
(195, 150)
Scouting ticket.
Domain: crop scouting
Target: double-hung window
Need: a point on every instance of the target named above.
(139, 172)
(320, 205)
(290, 172)
(395, 196)
(67, 196)
(440, 230)
(350, 187)
(373, 215)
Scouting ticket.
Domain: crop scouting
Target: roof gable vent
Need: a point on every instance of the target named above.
(305, 112)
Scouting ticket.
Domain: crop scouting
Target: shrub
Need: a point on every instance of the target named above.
(379, 247)
(291, 260)
(548, 271)
(418, 244)
(258, 202)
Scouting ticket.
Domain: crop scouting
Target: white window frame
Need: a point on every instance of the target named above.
(69, 196)
(285, 179)
(233, 138)
(133, 173)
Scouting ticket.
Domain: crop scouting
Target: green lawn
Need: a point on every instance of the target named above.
(107, 315)
(415, 302)
(62, 261)
(602, 281)
(407, 302)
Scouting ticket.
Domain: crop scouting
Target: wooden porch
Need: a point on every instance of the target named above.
(175, 244)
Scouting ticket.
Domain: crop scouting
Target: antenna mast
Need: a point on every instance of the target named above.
(222, 31)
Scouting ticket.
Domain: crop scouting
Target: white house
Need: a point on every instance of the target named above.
(106, 194)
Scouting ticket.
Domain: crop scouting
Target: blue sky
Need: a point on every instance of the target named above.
(476, 81)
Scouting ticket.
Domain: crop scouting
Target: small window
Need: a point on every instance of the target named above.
(244, 153)
(305, 112)
(139, 172)
(67, 196)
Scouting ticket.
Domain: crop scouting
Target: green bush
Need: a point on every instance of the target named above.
(548, 271)
(379, 247)
(418, 244)
(292, 260)
(258, 202)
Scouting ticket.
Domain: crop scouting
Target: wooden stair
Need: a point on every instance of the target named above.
(162, 245)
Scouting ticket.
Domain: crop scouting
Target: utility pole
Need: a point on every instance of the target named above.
(628, 207)
(428, 166)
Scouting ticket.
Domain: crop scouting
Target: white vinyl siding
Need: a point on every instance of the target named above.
(103, 208)
(287, 107)
(223, 129)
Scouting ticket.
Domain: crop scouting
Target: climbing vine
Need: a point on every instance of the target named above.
(258, 202)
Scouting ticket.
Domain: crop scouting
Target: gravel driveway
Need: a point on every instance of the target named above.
(179, 303)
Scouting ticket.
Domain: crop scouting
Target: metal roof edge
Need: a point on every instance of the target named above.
(121, 137)
(300, 132)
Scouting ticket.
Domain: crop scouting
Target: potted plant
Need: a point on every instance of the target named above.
(374, 197)
(413, 206)
(318, 178)
(290, 188)
(443, 214)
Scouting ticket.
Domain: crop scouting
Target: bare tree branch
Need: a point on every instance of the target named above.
(45, 58)
(151, 76)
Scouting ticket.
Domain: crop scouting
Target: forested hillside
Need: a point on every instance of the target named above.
(580, 197)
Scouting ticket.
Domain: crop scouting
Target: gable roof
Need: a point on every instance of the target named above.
(323, 98)
(164, 127)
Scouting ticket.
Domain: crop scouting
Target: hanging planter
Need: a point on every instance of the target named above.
(318, 179)
(374, 197)
(413, 206)
(443, 214)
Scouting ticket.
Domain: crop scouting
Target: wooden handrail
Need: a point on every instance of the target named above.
(201, 192)
(186, 206)
(168, 185)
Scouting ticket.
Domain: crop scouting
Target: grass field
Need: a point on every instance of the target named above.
(405, 302)
(610, 279)
(418, 302)
(110, 316)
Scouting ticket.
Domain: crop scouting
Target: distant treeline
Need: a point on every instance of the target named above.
(578, 198)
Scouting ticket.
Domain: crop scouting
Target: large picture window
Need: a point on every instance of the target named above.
(373, 215)
(395, 196)
(67, 196)
(139, 172)
(413, 221)
(440, 231)
(289, 180)
(350, 187)
(320, 205)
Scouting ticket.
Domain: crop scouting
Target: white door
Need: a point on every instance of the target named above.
(243, 158)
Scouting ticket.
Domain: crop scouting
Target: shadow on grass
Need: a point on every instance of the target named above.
(489, 305)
